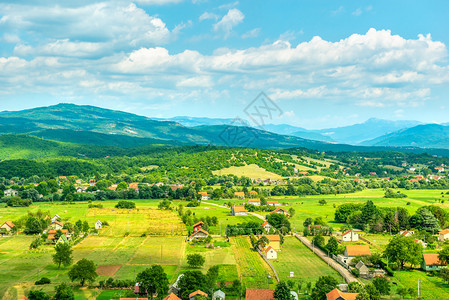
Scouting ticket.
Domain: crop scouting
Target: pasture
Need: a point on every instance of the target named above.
(297, 258)
(252, 171)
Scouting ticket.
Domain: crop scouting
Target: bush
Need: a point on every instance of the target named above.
(125, 204)
(43, 280)
(389, 271)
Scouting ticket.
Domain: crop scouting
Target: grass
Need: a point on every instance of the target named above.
(297, 258)
(252, 269)
(252, 171)
(431, 287)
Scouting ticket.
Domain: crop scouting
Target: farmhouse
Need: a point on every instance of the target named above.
(240, 195)
(198, 293)
(266, 226)
(431, 262)
(274, 240)
(113, 187)
(443, 235)
(282, 211)
(56, 218)
(56, 225)
(7, 226)
(238, 210)
(336, 294)
(252, 193)
(363, 269)
(350, 236)
(407, 233)
(98, 224)
(80, 189)
(134, 186)
(255, 202)
(273, 203)
(259, 294)
(200, 234)
(172, 297)
(198, 226)
(352, 251)
(270, 253)
(10, 193)
(204, 196)
(219, 295)
(412, 169)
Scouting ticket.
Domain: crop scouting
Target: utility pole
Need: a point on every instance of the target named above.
(127, 223)
(418, 288)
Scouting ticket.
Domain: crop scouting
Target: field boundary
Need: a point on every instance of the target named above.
(269, 263)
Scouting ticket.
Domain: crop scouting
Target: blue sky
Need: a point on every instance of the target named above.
(324, 63)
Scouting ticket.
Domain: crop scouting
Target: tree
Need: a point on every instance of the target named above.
(368, 212)
(444, 274)
(190, 282)
(403, 250)
(63, 254)
(322, 202)
(195, 260)
(38, 295)
(83, 270)
(212, 277)
(332, 245)
(443, 255)
(279, 221)
(85, 226)
(318, 241)
(153, 280)
(63, 292)
(382, 285)
(307, 222)
(291, 211)
(33, 226)
(263, 241)
(324, 285)
(282, 291)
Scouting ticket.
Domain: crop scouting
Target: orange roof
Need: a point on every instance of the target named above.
(51, 237)
(198, 292)
(57, 222)
(133, 185)
(252, 192)
(199, 223)
(272, 202)
(357, 250)
(264, 223)
(278, 209)
(254, 200)
(10, 224)
(239, 193)
(444, 232)
(172, 297)
(54, 230)
(239, 208)
(337, 294)
(133, 298)
(259, 294)
(431, 259)
(268, 249)
(202, 193)
(345, 233)
(271, 237)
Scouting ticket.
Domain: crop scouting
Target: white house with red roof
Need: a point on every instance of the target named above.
(270, 253)
(267, 226)
(407, 233)
(443, 235)
(412, 169)
(350, 236)
(7, 226)
(200, 234)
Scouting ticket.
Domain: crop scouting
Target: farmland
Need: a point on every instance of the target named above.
(251, 171)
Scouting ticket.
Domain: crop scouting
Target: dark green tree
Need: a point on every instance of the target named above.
(38, 295)
(332, 246)
(84, 270)
(154, 281)
(403, 250)
(63, 292)
(382, 285)
(63, 255)
(195, 260)
(282, 291)
(190, 282)
(324, 285)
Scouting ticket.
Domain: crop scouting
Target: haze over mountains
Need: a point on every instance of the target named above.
(98, 126)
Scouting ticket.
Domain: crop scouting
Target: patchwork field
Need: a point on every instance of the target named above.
(252, 171)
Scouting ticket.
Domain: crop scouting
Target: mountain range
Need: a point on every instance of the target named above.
(90, 125)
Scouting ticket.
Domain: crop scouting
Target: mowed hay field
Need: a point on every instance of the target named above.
(252, 269)
(297, 258)
(251, 171)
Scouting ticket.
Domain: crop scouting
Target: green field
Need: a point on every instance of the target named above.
(431, 287)
(252, 171)
(297, 258)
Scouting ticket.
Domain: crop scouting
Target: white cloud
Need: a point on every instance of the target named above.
(208, 16)
(357, 12)
(198, 81)
(229, 21)
(251, 34)
(157, 2)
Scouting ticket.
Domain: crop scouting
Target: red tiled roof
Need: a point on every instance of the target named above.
(10, 224)
(431, 259)
(172, 297)
(278, 209)
(198, 292)
(272, 202)
(199, 230)
(259, 294)
(239, 208)
(444, 232)
(202, 193)
(252, 192)
(358, 250)
(239, 193)
(268, 249)
(57, 222)
(199, 223)
(337, 294)
(346, 233)
(133, 185)
(264, 224)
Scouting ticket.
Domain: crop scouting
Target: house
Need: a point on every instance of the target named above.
(7, 226)
(10, 193)
(407, 233)
(255, 202)
(252, 193)
(175, 187)
(350, 236)
(357, 250)
(56, 225)
(273, 203)
(404, 164)
(240, 195)
(238, 210)
(204, 196)
(113, 187)
(363, 269)
(431, 262)
(412, 169)
(98, 224)
(336, 294)
(266, 226)
(55, 218)
(134, 186)
(443, 235)
(423, 244)
(62, 239)
(219, 295)
(259, 294)
(172, 297)
(80, 189)
(280, 211)
(439, 169)
(198, 226)
(199, 235)
(274, 240)
(192, 296)
(270, 253)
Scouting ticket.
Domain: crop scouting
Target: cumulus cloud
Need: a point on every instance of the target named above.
(251, 34)
(208, 16)
(229, 21)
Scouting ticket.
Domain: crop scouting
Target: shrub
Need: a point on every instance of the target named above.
(125, 204)
(43, 280)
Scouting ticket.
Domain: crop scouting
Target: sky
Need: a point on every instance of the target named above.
(323, 63)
